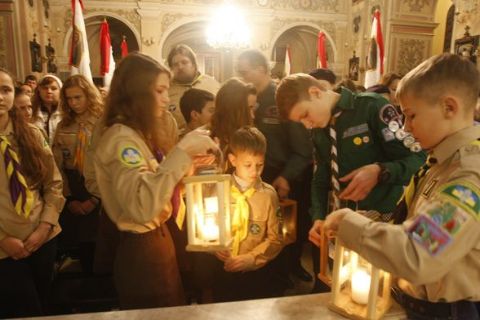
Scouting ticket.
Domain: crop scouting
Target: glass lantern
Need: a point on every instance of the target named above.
(208, 212)
(359, 290)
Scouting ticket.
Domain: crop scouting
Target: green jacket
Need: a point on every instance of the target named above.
(363, 138)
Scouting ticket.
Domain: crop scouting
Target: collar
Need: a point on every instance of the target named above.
(242, 185)
(87, 118)
(347, 98)
(9, 129)
(455, 142)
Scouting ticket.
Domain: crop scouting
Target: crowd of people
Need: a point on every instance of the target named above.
(101, 178)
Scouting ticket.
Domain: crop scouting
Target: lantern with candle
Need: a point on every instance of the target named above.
(359, 290)
(208, 212)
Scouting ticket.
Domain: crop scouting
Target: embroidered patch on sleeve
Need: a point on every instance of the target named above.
(388, 135)
(131, 157)
(255, 228)
(388, 113)
(447, 215)
(429, 235)
(464, 195)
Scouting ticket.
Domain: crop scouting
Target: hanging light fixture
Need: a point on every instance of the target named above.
(228, 28)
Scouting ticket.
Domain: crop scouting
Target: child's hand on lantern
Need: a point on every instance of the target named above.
(330, 226)
(223, 255)
(243, 262)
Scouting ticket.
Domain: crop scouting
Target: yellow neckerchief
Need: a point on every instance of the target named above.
(240, 216)
(20, 194)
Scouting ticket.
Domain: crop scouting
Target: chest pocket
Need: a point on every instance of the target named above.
(67, 142)
(257, 224)
(357, 142)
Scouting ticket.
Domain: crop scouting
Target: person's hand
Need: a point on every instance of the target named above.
(242, 262)
(281, 185)
(223, 255)
(87, 206)
(76, 208)
(14, 248)
(330, 226)
(315, 233)
(362, 181)
(38, 237)
(198, 142)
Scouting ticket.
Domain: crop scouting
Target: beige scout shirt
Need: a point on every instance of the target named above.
(176, 91)
(264, 240)
(134, 188)
(167, 130)
(437, 252)
(46, 208)
(65, 144)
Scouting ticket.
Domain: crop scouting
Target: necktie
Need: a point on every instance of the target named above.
(334, 162)
(20, 194)
(82, 140)
(178, 205)
(240, 216)
(401, 211)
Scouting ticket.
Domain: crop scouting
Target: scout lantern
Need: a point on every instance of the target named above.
(359, 290)
(208, 212)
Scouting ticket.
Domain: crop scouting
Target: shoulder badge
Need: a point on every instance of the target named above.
(388, 113)
(464, 195)
(255, 228)
(429, 234)
(388, 135)
(130, 156)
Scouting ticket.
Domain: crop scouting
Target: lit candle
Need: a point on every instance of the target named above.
(210, 229)
(211, 205)
(360, 286)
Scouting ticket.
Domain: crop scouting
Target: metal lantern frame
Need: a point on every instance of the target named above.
(196, 212)
(343, 301)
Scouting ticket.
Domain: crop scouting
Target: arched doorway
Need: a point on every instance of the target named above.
(118, 29)
(302, 41)
(209, 60)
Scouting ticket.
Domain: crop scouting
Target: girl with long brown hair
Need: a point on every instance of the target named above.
(45, 102)
(138, 182)
(81, 107)
(30, 202)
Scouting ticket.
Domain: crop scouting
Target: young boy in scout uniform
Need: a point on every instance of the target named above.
(373, 157)
(436, 251)
(245, 271)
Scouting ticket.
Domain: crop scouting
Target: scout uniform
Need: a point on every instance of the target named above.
(436, 252)
(176, 91)
(260, 236)
(46, 206)
(136, 192)
(69, 147)
(25, 282)
(368, 131)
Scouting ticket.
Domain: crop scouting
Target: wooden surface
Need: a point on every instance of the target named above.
(314, 306)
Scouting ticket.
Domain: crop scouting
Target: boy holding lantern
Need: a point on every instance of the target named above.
(247, 268)
(436, 251)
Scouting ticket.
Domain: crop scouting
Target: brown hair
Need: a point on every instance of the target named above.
(94, 99)
(293, 89)
(388, 78)
(231, 109)
(440, 74)
(37, 103)
(255, 58)
(248, 139)
(186, 51)
(31, 152)
(194, 100)
(131, 100)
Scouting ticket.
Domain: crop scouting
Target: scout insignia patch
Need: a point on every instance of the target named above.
(388, 135)
(357, 141)
(464, 195)
(271, 115)
(366, 139)
(429, 235)
(255, 228)
(172, 107)
(130, 156)
(447, 215)
(353, 131)
(388, 113)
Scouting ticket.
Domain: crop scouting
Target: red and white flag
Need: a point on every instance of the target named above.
(321, 51)
(124, 47)
(107, 63)
(288, 62)
(376, 53)
(79, 54)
